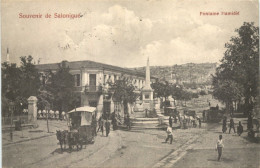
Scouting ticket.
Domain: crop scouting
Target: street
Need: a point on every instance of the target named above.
(193, 147)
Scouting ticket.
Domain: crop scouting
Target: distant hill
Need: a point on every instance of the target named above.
(185, 73)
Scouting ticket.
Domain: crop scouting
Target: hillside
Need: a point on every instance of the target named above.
(186, 73)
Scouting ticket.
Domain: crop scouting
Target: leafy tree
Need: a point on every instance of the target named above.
(19, 83)
(123, 91)
(162, 89)
(238, 73)
(228, 91)
(45, 94)
(62, 88)
(11, 77)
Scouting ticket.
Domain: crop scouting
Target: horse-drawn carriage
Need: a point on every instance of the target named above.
(171, 111)
(212, 115)
(81, 128)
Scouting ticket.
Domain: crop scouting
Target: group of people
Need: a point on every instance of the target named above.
(101, 124)
(169, 128)
(42, 114)
(220, 145)
(232, 126)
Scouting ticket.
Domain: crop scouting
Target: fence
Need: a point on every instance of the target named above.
(7, 120)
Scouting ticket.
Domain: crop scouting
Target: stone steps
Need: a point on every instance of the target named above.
(161, 122)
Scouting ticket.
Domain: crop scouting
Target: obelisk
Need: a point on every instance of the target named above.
(147, 92)
(147, 77)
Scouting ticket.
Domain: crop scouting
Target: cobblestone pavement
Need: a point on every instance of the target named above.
(193, 147)
(41, 149)
(239, 151)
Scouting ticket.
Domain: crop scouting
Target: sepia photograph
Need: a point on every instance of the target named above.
(130, 83)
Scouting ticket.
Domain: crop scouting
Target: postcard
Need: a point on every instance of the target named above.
(130, 83)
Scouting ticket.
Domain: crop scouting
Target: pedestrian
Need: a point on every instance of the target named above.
(169, 134)
(170, 121)
(232, 125)
(184, 123)
(209, 104)
(199, 122)
(219, 147)
(107, 125)
(114, 122)
(128, 122)
(175, 119)
(224, 125)
(203, 115)
(101, 124)
(239, 128)
(217, 107)
(94, 125)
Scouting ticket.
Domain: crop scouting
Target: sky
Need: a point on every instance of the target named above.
(122, 32)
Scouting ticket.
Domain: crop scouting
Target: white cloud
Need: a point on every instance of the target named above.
(124, 33)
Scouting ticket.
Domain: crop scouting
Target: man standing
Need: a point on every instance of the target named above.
(199, 122)
(232, 125)
(128, 122)
(107, 125)
(240, 128)
(170, 121)
(101, 125)
(94, 125)
(169, 134)
(224, 125)
(114, 121)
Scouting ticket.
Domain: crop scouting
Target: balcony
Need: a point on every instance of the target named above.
(93, 88)
(78, 89)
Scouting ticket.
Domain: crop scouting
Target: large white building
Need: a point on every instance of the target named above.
(91, 82)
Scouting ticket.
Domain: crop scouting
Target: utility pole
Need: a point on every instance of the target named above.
(12, 106)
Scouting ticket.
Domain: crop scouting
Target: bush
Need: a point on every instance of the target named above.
(195, 95)
(203, 92)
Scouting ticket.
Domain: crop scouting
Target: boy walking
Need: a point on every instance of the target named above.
(169, 134)
(219, 147)
(232, 125)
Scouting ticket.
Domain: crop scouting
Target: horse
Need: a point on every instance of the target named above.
(62, 137)
(74, 140)
(188, 120)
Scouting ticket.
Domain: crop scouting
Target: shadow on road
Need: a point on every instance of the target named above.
(222, 160)
(252, 140)
(67, 150)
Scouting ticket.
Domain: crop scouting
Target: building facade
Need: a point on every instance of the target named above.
(91, 82)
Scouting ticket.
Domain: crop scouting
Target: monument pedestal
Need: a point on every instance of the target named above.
(32, 110)
(147, 95)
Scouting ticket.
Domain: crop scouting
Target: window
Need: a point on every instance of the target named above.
(146, 96)
(77, 80)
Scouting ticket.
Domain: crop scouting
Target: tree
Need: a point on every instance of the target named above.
(123, 91)
(19, 83)
(228, 91)
(62, 87)
(162, 89)
(30, 79)
(239, 67)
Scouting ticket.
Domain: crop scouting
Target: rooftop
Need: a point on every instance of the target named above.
(91, 65)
